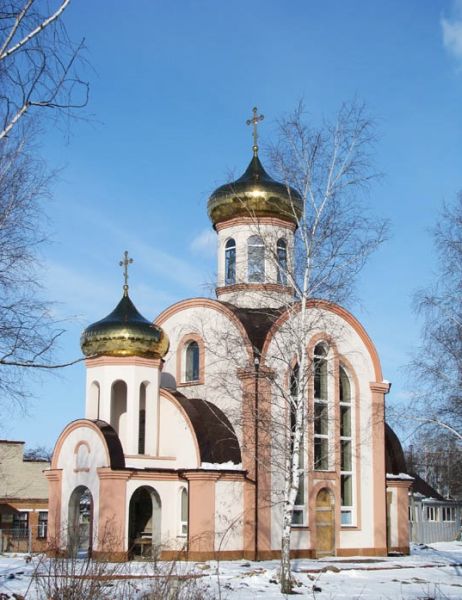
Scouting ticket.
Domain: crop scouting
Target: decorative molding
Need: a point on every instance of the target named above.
(213, 305)
(255, 222)
(136, 361)
(254, 287)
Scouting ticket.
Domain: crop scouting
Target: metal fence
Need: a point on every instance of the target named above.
(427, 532)
(23, 539)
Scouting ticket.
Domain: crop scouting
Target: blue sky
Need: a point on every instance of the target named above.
(172, 84)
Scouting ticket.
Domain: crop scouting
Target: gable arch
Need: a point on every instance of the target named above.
(340, 312)
(215, 305)
(111, 443)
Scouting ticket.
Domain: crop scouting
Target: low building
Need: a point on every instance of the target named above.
(23, 500)
(432, 517)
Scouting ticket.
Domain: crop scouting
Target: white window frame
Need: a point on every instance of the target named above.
(327, 405)
(344, 509)
(183, 524)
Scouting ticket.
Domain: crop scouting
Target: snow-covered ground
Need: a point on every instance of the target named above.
(430, 572)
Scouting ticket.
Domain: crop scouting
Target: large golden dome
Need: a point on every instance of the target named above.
(124, 332)
(255, 194)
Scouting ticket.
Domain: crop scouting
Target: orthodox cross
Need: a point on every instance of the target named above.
(254, 121)
(124, 263)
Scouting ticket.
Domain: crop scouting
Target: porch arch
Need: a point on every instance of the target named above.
(144, 522)
(80, 523)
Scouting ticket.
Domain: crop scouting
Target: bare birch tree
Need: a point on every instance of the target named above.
(332, 168)
(437, 367)
(38, 70)
(38, 62)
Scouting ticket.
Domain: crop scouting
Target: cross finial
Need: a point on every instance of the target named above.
(124, 263)
(254, 121)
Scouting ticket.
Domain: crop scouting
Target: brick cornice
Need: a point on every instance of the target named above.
(53, 474)
(202, 475)
(380, 387)
(108, 473)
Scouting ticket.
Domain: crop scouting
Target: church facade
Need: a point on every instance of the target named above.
(183, 446)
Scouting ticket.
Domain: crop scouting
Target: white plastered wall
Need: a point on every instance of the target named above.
(74, 477)
(350, 346)
(229, 503)
(225, 352)
(100, 407)
(392, 508)
(241, 233)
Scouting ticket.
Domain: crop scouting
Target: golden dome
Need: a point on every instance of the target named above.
(124, 332)
(255, 194)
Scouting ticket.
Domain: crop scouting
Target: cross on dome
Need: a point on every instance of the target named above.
(254, 121)
(124, 263)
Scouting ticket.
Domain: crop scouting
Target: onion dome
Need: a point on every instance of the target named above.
(255, 194)
(124, 332)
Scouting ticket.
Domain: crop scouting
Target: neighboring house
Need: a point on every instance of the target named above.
(23, 500)
(170, 455)
(432, 517)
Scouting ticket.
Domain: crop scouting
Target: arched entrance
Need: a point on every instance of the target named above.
(80, 523)
(144, 522)
(325, 525)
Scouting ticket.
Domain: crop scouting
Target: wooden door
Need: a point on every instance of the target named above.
(325, 526)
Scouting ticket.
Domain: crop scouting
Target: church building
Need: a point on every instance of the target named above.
(187, 419)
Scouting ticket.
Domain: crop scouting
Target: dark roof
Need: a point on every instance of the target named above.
(214, 432)
(420, 486)
(256, 321)
(116, 453)
(395, 463)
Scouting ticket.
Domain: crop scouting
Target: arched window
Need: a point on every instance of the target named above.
(230, 262)
(255, 259)
(80, 522)
(119, 408)
(346, 459)
(192, 362)
(321, 409)
(142, 420)
(281, 251)
(184, 511)
(93, 401)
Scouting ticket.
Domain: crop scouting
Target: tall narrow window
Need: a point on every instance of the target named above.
(346, 460)
(298, 514)
(321, 409)
(256, 259)
(119, 409)
(184, 512)
(192, 362)
(281, 251)
(230, 262)
(142, 420)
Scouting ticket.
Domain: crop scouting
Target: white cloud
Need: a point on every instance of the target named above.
(452, 31)
(205, 243)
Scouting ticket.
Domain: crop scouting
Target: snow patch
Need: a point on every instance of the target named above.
(400, 476)
(227, 466)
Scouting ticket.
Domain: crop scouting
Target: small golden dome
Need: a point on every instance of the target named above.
(255, 194)
(124, 332)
